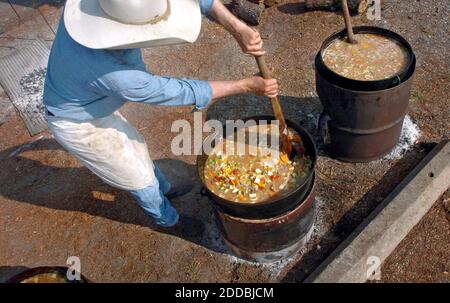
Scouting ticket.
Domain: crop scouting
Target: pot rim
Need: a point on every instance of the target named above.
(276, 198)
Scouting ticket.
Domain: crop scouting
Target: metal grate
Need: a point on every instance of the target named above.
(22, 76)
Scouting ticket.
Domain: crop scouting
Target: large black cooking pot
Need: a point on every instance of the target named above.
(362, 120)
(358, 85)
(277, 205)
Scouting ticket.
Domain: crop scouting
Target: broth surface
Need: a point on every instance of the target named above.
(374, 57)
(45, 278)
(252, 178)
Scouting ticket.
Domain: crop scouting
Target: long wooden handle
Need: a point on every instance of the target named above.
(286, 146)
(265, 73)
(263, 69)
(348, 22)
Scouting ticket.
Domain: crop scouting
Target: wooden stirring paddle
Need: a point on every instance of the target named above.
(348, 23)
(287, 138)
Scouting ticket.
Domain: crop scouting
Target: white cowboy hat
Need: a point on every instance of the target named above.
(122, 24)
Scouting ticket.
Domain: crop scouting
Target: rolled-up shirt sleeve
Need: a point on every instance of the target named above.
(205, 6)
(141, 86)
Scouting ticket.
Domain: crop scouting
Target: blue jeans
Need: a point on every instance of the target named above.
(154, 202)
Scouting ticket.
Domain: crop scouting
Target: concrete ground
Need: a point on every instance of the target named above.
(51, 208)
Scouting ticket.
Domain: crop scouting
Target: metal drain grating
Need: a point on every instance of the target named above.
(22, 77)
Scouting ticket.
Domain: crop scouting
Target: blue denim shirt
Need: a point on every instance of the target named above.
(84, 83)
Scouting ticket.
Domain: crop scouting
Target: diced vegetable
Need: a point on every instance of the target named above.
(251, 179)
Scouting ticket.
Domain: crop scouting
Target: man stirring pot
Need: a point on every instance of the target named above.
(95, 67)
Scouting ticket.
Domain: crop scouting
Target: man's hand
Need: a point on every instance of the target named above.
(249, 40)
(261, 87)
(256, 85)
(251, 43)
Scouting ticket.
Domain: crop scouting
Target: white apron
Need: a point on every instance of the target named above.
(110, 147)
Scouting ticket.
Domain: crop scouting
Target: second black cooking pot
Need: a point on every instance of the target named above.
(359, 85)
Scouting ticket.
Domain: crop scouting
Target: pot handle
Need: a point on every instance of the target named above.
(324, 128)
(396, 81)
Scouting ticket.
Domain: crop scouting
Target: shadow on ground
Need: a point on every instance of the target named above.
(76, 189)
(298, 8)
(293, 8)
